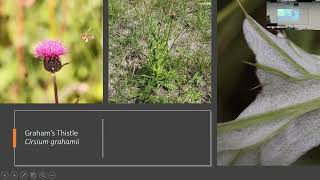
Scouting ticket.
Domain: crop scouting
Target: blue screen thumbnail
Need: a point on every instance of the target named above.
(288, 15)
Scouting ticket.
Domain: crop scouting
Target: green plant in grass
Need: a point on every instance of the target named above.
(156, 72)
(156, 49)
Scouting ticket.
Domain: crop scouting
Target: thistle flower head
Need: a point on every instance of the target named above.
(50, 49)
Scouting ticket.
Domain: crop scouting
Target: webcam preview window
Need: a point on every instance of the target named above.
(292, 14)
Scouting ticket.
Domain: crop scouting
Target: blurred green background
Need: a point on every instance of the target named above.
(24, 23)
(236, 80)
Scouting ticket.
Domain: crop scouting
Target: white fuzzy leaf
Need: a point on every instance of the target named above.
(283, 122)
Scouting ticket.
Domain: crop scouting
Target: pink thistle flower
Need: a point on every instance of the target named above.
(50, 52)
(49, 49)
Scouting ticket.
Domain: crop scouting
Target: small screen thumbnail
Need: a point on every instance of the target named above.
(295, 15)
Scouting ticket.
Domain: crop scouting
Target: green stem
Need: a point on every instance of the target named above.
(55, 87)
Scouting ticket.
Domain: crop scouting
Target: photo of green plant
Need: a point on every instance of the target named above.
(159, 51)
(268, 89)
(51, 51)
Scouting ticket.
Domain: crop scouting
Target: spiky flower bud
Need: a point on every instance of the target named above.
(50, 52)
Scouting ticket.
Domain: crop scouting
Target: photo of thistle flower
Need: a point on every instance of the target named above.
(51, 51)
(159, 51)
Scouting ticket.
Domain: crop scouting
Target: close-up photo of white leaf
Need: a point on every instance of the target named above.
(282, 123)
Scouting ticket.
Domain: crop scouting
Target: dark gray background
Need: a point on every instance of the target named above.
(130, 137)
(149, 173)
(6, 158)
(173, 173)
